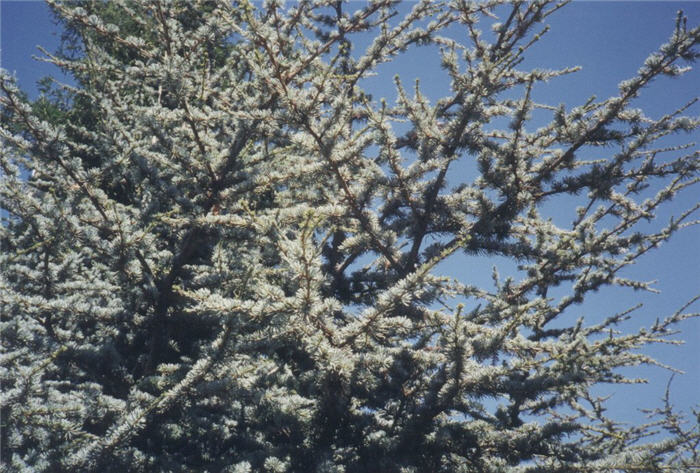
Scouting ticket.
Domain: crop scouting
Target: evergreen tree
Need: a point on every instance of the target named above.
(221, 254)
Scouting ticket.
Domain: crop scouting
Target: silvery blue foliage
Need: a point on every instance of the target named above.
(220, 253)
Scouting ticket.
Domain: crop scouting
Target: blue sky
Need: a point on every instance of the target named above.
(609, 40)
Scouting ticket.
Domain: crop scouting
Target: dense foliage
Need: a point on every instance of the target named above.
(221, 253)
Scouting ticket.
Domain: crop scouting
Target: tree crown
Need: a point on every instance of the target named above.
(222, 253)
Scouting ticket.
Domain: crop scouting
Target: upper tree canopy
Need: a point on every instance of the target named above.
(222, 254)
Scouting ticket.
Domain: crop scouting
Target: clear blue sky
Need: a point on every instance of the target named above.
(610, 40)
